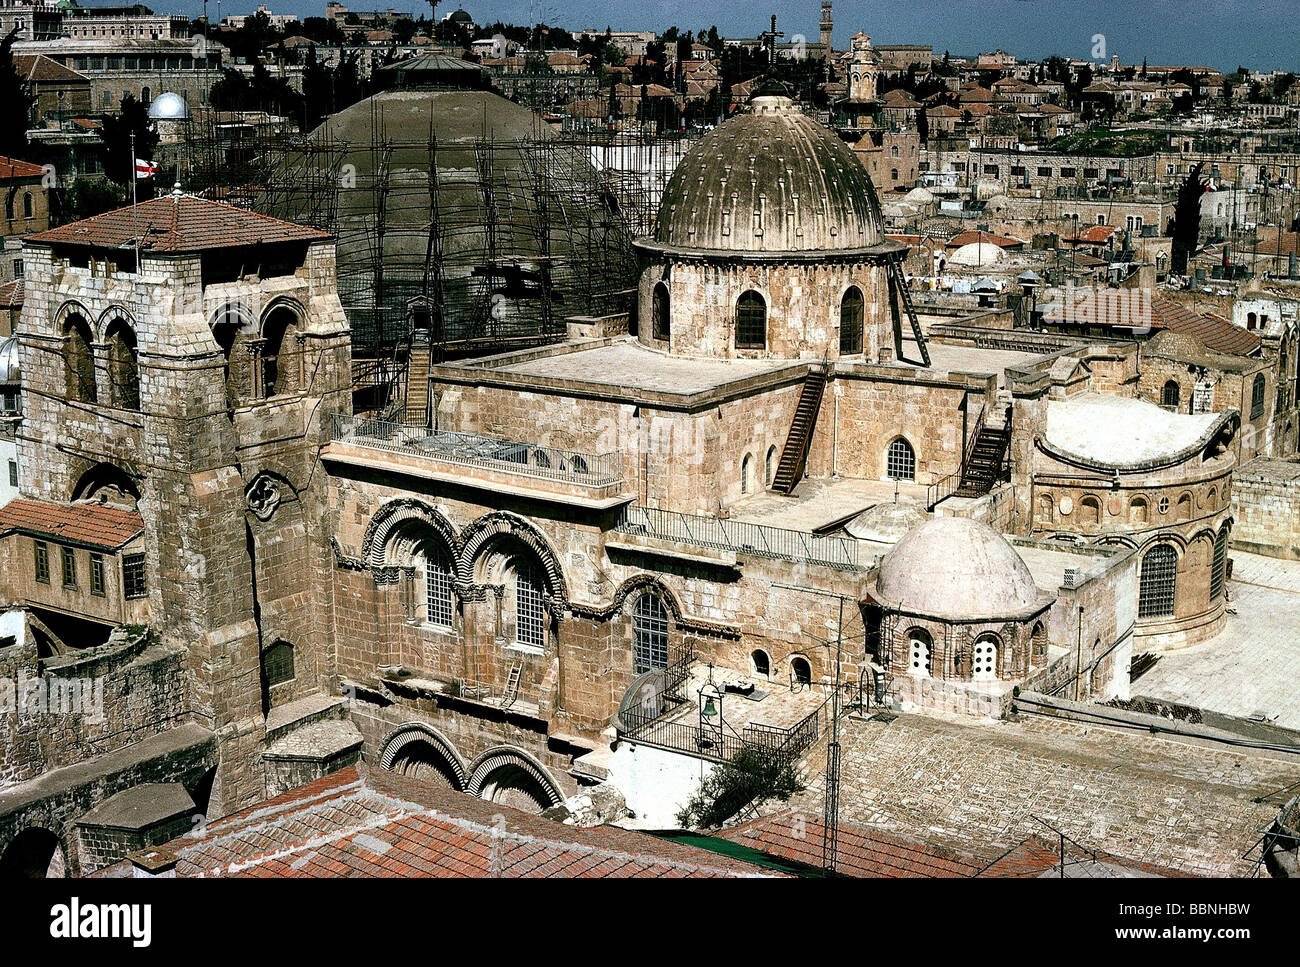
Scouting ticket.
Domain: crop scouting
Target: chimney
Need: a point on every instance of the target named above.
(153, 862)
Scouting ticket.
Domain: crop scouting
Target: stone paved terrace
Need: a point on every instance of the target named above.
(781, 708)
(976, 787)
(945, 358)
(1253, 665)
(630, 365)
(818, 501)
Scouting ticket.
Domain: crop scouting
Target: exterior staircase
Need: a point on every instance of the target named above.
(417, 386)
(984, 464)
(794, 456)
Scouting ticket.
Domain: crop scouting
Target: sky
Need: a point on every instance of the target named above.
(1259, 34)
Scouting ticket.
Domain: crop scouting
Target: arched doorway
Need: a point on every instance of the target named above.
(34, 854)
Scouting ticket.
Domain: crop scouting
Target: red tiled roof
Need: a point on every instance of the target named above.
(970, 236)
(1093, 235)
(372, 823)
(11, 295)
(862, 852)
(39, 68)
(12, 168)
(1036, 857)
(95, 525)
(181, 223)
(1128, 310)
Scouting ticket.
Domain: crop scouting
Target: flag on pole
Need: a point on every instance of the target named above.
(145, 169)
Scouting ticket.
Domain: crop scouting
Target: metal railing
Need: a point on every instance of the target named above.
(742, 537)
(945, 487)
(471, 450)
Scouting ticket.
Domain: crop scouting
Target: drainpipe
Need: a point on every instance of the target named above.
(835, 437)
(1078, 656)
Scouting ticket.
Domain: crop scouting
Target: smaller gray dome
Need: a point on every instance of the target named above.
(9, 369)
(956, 567)
(887, 523)
(169, 107)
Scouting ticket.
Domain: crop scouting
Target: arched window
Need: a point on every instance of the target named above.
(1184, 511)
(769, 466)
(439, 605)
(1219, 566)
(123, 369)
(1157, 581)
(851, 322)
(1169, 396)
(984, 659)
(660, 326)
(1138, 511)
(279, 332)
(751, 321)
(650, 628)
(530, 615)
(800, 671)
(9, 206)
(28, 210)
(1038, 645)
(747, 474)
(762, 664)
(79, 363)
(1090, 510)
(920, 645)
(277, 663)
(1257, 397)
(1046, 508)
(900, 461)
(1250, 320)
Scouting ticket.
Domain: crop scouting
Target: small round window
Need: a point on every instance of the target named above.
(1163, 505)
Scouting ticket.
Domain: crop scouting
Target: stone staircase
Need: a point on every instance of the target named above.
(983, 467)
(794, 456)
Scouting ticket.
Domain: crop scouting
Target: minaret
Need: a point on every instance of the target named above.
(827, 25)
(864, 70)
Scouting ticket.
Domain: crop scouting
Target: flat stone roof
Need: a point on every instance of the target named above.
(982, 787)
(947, 358)
(628, 364)
(1117, 431)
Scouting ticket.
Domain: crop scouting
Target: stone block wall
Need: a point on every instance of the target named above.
(1266, 508)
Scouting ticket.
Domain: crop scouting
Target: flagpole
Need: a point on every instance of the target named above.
(134, 227)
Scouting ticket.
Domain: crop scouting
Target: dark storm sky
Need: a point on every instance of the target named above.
(1260, 34)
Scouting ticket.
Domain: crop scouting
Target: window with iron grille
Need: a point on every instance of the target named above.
(133, 582)
(851, 321)
(69, 560)
(1257, 397)
(1157, 582)
(277, 663)
(650, 627)
(437, 589)
(659, 323)
(1169, 395)
(1219, 566)
(13, 465)
(530, 616)
(751, 321)
(97, 575)
(901, 460)
(42, 560)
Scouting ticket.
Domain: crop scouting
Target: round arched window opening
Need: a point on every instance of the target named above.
(984, 659)
(761, 663)
(900, 461)
(851, 311)
(751, 321)
(800, 671)
(660, 326)
(920, 645)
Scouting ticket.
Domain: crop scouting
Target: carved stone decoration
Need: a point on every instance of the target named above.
(263, 496)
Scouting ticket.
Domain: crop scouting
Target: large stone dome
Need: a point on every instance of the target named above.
(955, 567)
(770, 180)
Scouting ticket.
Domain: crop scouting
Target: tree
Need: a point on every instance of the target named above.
(1186, 227)
(733, 785)
(116, 133)
(15, 103)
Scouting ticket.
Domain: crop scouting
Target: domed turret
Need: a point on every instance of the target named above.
(953, 566)
(770, 180)
(768, 244)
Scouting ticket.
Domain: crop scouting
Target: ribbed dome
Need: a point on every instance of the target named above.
(770, 180)
(952, 566)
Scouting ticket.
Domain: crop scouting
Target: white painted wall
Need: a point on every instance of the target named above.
(655, 782)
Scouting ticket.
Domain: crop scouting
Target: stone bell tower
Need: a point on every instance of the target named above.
(827, 26)
(195, 354)
(864, 70)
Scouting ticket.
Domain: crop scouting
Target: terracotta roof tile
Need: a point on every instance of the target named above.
(13, 168)
(181, 223)
(93, 525)
(39, 68)
(381, 824)
(1160, 312)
